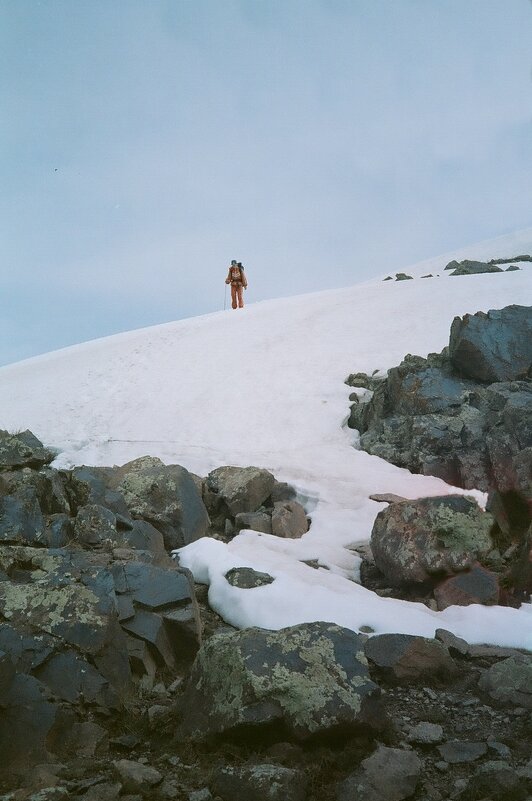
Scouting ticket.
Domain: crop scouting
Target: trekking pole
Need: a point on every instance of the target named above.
(225, 296)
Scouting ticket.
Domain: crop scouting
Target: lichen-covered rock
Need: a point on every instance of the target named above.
(22, 450)
(245, 578)
(61, 593)
(257, 521)
(264, 782)
(164, 495)
(510, 681)
(389, 774)
(492, 347)
(415, 541)
(95, 525)
(301, 681)
(406, 658)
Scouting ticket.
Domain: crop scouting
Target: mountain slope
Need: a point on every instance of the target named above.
(265, 386)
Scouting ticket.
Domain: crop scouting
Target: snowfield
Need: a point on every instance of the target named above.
(264, 386)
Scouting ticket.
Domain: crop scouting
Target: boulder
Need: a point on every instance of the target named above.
(264, 782)
(403, 277)
(389, 774)
(510, 681)
(425, 733)
(405, 658)
(245, 578)
(417, 541)
(491, 347)
(289, 520)
(474, 586)
(299, 682)
(257, 521)
(164, 495)
(62, 594)
(457, 752)
(22, 450)
(242, 489)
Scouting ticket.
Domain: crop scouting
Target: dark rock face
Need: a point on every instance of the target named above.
(431, 419)
(419, 541)
(493, 347)
(306, 680)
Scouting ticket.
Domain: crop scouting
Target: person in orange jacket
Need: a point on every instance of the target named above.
(237, 278)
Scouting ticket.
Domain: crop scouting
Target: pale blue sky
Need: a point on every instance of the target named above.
(145, 143)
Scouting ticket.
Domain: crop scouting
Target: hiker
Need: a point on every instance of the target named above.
(237, 278)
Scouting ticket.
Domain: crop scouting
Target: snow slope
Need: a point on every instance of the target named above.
(265, 386)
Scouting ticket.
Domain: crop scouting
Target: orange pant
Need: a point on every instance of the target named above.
(236, 296)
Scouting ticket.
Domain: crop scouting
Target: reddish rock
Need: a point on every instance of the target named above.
(475, 586)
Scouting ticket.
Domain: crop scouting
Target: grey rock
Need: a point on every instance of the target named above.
(413, 541)
(456, 645)
(150, 586)
(289, 519)
(200, 795)
(468, 267)
(22, 450)
(494, 779)
(21, 520)
(144, 537)
(73, 679)
(164, 495)
(65, 595)
(425, 734)
(389, 774)
(140, 657)
(403, 277)
(512, 268)
(457, 751)
(103, 791)
(491, 347)
(258, 521)
(95, 525)
(242, 489)
(245, 578)
(510, 681)
(307, 680)
(136, 777)
(405, 658)
(263, 782)
(150, 627)
(60, 531)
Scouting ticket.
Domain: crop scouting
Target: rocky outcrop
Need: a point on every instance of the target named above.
(469, 267)
(493, 347)
(301, 682)
(434, 420)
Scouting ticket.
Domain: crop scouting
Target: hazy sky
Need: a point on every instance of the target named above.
(145, 143)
